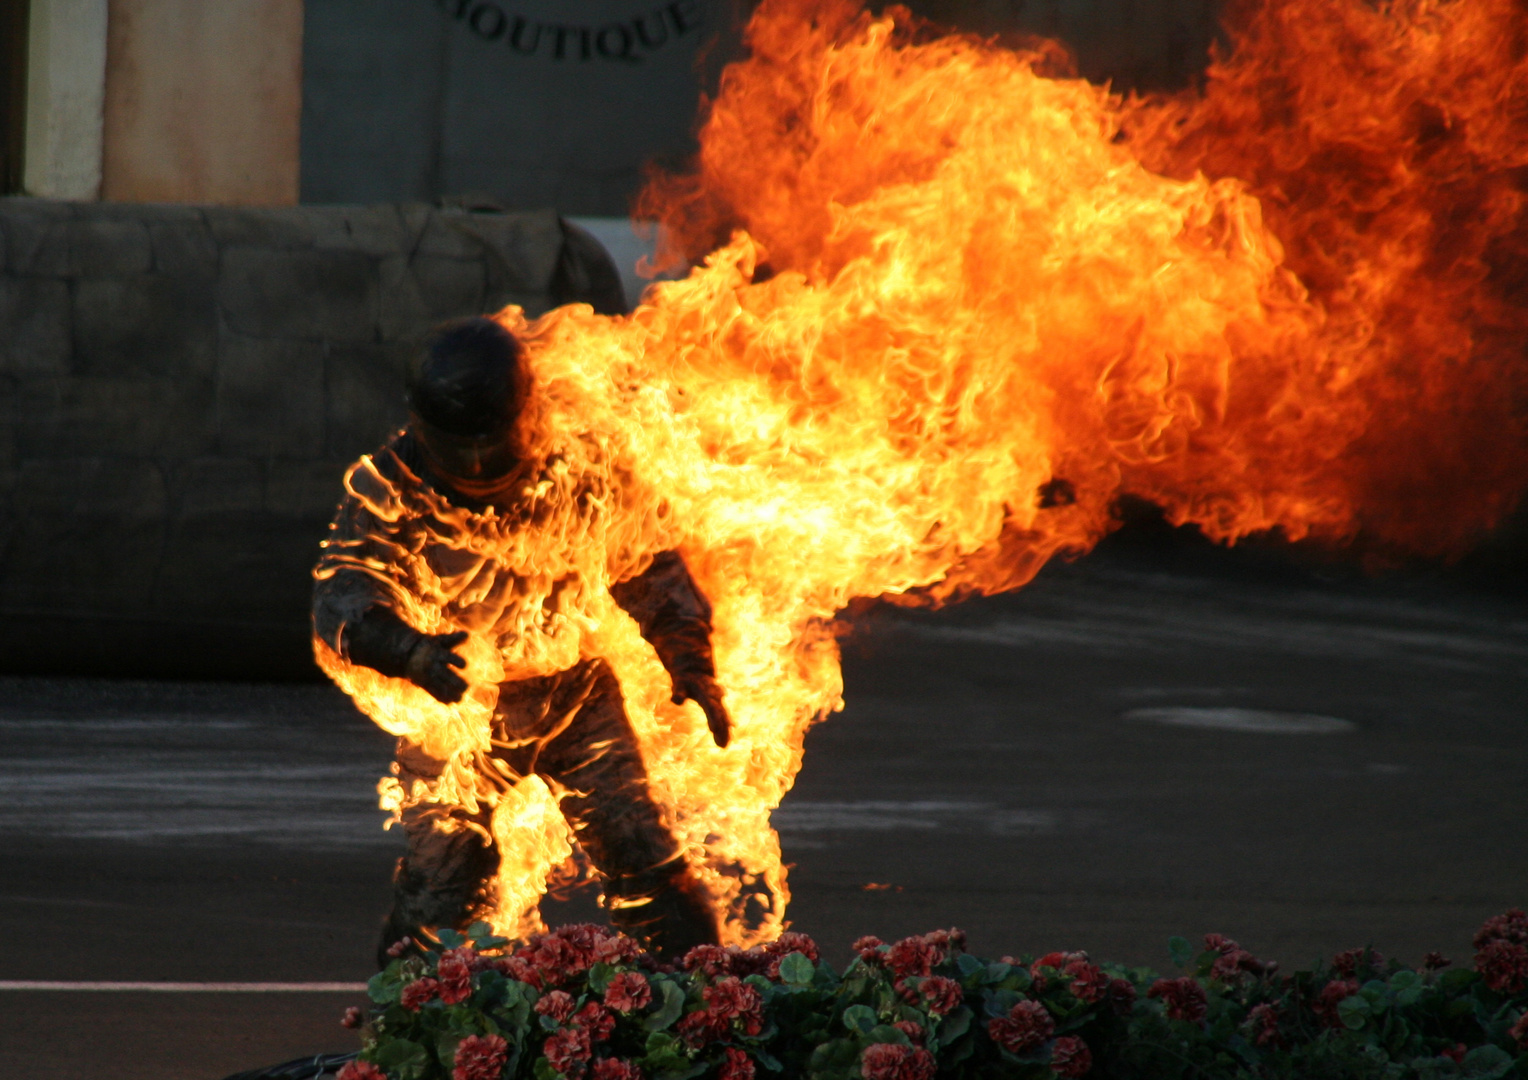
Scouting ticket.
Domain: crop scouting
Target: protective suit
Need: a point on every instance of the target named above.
(559, 712)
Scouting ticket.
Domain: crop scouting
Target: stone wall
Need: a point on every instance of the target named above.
(181, 389)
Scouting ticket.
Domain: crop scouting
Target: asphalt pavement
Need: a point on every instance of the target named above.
(1126, 750)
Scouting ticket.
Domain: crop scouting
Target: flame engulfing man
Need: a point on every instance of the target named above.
(444, 524)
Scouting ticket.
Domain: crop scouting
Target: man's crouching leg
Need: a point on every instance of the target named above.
(652, 893)
(445, 875)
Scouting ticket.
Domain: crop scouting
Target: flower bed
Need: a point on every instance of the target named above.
(583, 1004)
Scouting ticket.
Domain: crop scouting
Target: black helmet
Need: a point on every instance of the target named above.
(470, 379)
(466, 391)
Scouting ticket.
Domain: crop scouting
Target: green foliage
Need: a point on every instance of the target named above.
(581, 1003)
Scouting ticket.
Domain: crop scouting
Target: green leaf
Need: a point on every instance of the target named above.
(445, 1048)
(768, 1060)
(385, 986)
(954, 1026)
(600, 976)
(796, 969)
(996, 973)
(482, 936)
(401, 1057)
(450, 939)
(1180, 950)
(1486, 1063)
(670, 1010)
(1354, 1011)
(544, 1070)
(860, 1018)
(885, 1033)
(684, 1072)
(968, 965)
(999, 1002)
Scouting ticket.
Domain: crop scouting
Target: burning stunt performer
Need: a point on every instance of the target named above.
(402, 545)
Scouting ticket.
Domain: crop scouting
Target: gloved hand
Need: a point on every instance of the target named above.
(430, 663)
(707, 693)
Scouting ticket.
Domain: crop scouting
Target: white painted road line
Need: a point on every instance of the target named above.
(191, 987)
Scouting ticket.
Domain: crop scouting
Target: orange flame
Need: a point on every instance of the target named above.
(1291, 302)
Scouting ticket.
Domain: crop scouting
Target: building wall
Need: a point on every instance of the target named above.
(66, 60)
(1135, 44)
(534, 102)
(181, 389)
(202, 101)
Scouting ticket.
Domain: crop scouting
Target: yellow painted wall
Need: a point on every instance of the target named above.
(203, 101)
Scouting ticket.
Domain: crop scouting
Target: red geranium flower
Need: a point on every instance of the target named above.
(568, 1050)
(1122, 996)
(558, 1005)
(1026, 1026)
(1519, 1031)
(360, 1070)
(709, 960)
(869, 948)
(1510, 926)
(1346, 963)
(1263, 1022)
(616, 1069)
(1455, 1053)
(597, 1020)
(628, 992)
(1184, 997)
(1504, 965)
(1057, 960)
(888, 1061)
(455, 974)
(353, 1017)
(941, 995)
(738, 1066)
(1089, 983)
(1325, 1006)
(513, 967)
(617, 949)
(419, 993)
(1070, 1056)
(480, 1057)
(730, 998)
(912, 1030)
(913, 957)
(790, 942)
(699, 1028)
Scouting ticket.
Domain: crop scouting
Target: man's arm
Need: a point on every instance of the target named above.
(676, 619)
(354, 610)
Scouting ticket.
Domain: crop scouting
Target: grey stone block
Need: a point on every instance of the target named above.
(100, 246)
(306, 491)
(447, 233)
(59, 417)
(216, 488)
(450, 288)
(88, 537)
(523, 248)
(363, 397)
(36, 239)
(285, 228)
(368, 230)
(10, 457)
(34, 325)
(146, 324)
(212, 571)
(270, 397)
(218, 547)
(185, 247)
(311, 295)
